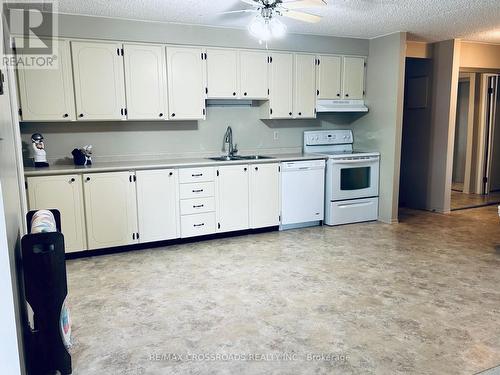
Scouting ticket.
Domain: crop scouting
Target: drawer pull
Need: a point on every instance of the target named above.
(197, 191)
(199, 206)
(198, 225)
(197, 175)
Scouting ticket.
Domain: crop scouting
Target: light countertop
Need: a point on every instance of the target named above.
(159, 164)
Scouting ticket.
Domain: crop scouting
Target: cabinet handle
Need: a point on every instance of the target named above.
(245, 169)
(290, 113)
(300, 113)
(173, 114)
(87, 179)
(317, 92)
(346, 95)
(338, 94)
(133, 236)
(199, 206)
(197, 191)
(234, 94)
(198, 225)
(197, 175)
(245, 93)
(171, 173)
(80, 115)
(65, 115)
(161, 114)
(256, 168)
(72, 179)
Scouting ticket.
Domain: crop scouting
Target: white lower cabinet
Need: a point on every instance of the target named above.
(63, 193)
(264, 195)
(157, 205)
(232, 198)
(110, 209)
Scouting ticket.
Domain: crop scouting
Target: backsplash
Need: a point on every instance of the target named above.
(131, 140)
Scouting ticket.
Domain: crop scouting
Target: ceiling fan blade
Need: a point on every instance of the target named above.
(240, 11)
(301, 16)
(255, 3)
(300, 4)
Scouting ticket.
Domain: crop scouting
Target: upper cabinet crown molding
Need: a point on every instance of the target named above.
(47, 94)
(99, 80)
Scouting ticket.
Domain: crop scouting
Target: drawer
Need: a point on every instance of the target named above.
(197, 205)
(202, 174)
(198, 224)
(197, 190)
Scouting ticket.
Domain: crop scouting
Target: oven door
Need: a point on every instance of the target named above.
(355, 177)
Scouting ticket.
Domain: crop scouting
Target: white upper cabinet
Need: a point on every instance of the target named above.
(232, 198)
(305, 86)
(47, 94)
(145, 82)
(264, 195)
(329, 77)
(63, 193)
(186, 83)
(281, 86)
(254, 75)
(110, 209)
(354, 77)
(157, 205)
(222, 73)
(99, 81)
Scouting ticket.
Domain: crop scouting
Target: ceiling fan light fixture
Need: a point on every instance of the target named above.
(259, 28)
(278, 28)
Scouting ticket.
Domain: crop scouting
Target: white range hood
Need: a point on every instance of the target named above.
(326, 105)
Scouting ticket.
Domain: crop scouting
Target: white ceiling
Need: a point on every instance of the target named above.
(430, 20)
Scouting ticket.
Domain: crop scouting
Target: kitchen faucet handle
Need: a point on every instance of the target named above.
(235, 148)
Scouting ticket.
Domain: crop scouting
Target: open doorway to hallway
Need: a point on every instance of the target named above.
(476, 155)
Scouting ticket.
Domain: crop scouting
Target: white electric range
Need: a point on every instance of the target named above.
(352, 177)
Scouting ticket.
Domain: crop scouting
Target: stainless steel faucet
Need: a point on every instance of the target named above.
(228, 138)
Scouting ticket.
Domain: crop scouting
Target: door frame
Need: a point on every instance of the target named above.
(471, 78)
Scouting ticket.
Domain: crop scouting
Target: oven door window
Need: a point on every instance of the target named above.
(355, 178)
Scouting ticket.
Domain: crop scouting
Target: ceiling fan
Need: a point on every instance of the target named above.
(266, 23)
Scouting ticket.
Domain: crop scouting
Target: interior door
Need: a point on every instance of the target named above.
(281, 85)
(145, 82)
(186, 84)
(157, 205)
(305, 86)
(354, 78)
(232, 198)
(222, 73)
(329, 77)
(63, 193)
(264, 195)
(254, 74)
(47, 94)
(99, 80)
(110, 209)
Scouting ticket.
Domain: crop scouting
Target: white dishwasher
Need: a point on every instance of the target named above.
(302, 193)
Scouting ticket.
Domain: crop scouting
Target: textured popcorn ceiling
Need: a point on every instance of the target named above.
(430, 20)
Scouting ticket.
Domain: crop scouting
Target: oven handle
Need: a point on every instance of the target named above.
(363, 203)
(354, 161)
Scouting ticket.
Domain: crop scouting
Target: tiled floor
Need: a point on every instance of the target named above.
(419, 297)
(460, 200)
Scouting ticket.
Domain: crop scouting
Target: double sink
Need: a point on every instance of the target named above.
(239, 157)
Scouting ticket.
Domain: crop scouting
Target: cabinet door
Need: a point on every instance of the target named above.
(281, 86)
(354, 77)
(232, 198)
(305, 86)
(99, 81)
(111, 209)
(264, 195)
(222, 73)
(145, 82)
(254, 81)
(47, 94)
(186, 86)
(65, 194)
(157, 205)
(329, 77)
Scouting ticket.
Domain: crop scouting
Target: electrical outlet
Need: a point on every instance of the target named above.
(275, 136)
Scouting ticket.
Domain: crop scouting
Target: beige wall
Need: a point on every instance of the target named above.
(381, 129)
(479, 55)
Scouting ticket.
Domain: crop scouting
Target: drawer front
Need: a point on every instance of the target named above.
(197, 225)
(202, 174)
(197, 206)
(198, 190)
